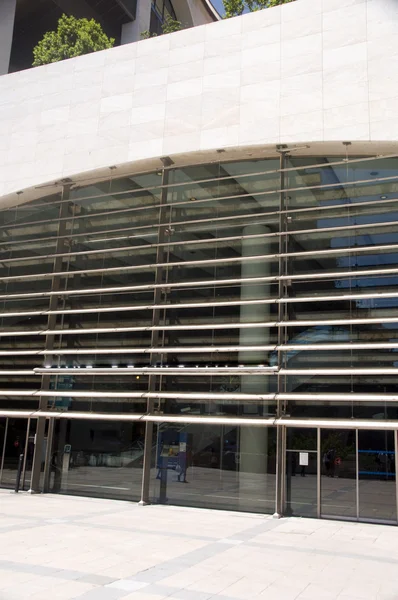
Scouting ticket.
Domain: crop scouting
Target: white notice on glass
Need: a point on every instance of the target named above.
(303, 459)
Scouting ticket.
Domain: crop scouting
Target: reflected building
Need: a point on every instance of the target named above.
(210, 320)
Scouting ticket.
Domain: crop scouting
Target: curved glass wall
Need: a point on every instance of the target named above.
(256, 289)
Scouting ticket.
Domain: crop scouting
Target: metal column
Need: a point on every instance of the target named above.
(280, 472)
(4, 450)
(157, 296)
(61, 248)
(357, 471)
(395, 463)
(25, 454)
(48, 461)
(282, 335)
(318, 471)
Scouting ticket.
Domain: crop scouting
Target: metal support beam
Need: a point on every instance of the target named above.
(3, 450)
(153, 378)
(61, 247)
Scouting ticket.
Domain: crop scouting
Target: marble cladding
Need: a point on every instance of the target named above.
(311, 70)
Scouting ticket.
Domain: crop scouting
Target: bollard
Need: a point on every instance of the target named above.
(18, 479)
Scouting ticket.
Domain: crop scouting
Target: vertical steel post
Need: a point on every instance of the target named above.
(61, 248)
(152, 380)
(395, 466)
(318, 470)
(281, 384)
(4, 450)
(19, 471)
(357, 471)
(47, 463)
(25, 453)
(280, 471)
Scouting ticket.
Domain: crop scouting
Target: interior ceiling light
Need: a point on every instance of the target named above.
(383, 197)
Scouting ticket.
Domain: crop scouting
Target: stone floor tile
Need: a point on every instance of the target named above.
(190, 595)
(315, 592)
(184, 553)
(101, 593)
(96, 579)
(140, 596)
(214, 584)
(127, 584)
(278, 592)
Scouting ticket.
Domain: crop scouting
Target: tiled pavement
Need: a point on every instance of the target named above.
(62, 547)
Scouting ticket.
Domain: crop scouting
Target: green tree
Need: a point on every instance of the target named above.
(233, 8)
(73, 37)
(169, 25)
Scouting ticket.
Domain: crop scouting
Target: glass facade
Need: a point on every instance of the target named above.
(247, 293)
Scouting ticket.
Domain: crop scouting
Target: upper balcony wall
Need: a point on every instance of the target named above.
(311, 70)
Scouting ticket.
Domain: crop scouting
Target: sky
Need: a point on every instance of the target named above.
(218, 5)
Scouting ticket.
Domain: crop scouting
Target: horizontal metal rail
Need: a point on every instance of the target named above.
(202, 262)
(203, 327)
(186, 418)
(272, 348)
(344, 398)
(205, 372)
(158, 188)
(211, 199)
(185, 223)
(346, 162)
(209, 304)
(208, 241)
(209, 282)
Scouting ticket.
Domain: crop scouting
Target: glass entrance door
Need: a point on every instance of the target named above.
(338, 473)
(301, 489)
(17, 437)
(376, 476)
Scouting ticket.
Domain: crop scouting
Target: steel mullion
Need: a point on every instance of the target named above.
(157, 294)
(3, 450)
(49, 344)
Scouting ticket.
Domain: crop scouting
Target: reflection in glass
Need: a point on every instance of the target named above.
(98, 458)
(215, 466)
(338, 475)
(301, 472)
(376, 472)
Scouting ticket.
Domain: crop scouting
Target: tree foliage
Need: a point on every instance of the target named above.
(73, 37)
(234, 8)
(170, 25)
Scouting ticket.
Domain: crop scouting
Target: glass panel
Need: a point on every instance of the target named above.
(215, 467)
(338, 481)
(15, 446)
(98, 458)
(377, 488)
(301, 472)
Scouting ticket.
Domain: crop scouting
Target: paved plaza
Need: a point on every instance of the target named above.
(92, 549)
